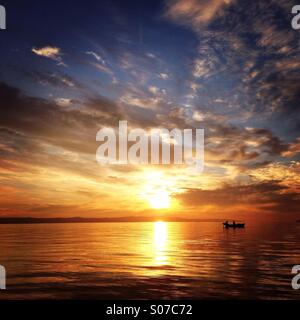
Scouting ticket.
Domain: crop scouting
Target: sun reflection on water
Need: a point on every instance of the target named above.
(160, 235)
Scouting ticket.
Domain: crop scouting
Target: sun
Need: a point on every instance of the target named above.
(160, 200)
(157, 190)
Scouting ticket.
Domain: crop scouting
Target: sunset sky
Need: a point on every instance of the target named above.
(69, 69)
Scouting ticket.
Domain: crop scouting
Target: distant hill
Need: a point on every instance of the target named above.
(30, 220)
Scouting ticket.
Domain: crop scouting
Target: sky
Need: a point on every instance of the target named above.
(69, 68)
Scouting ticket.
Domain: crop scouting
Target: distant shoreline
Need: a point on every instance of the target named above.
(30, 220)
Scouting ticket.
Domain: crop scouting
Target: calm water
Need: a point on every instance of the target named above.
(149, 260)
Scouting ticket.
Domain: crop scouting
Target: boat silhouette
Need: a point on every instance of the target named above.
(233, 225)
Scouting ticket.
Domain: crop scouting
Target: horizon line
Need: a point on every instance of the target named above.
(36, 220)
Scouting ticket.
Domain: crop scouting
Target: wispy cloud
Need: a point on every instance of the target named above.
(63, 102)
(194, 12)
(103, 68)
(53, 53)
(96, 56)
(163, 76)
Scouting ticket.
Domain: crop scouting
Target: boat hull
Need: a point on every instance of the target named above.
(234, 226)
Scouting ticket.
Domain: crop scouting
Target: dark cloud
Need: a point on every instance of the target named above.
(42, 119)
(35, 132)
(242, 147)
(28, 123)
(72, 128)
(267, 196)
(51, 78)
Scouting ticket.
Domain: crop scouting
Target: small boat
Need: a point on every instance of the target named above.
(233, 225)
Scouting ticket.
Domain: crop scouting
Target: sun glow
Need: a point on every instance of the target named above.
(160, 200)
(157, 190)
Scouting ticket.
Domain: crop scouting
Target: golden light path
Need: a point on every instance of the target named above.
(160, 236)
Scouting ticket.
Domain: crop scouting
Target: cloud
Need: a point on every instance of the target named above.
(288, 173)
(103, 68)
(247, 56)
(63, 102)
(198, 116)
(163, 76)
(293, 149)
(48, 52)
(194, 12)
(154, 90)
(241, 147)
(49, 123)
(268, 196)
(96, 56)
(141, 102)
(49, 78)
(53, 53)
(203, 68)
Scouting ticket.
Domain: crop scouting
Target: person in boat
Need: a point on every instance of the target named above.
(233, 223)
